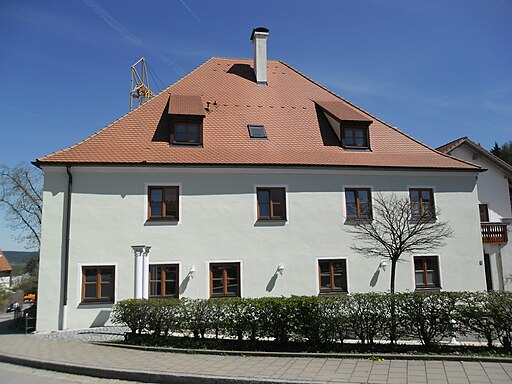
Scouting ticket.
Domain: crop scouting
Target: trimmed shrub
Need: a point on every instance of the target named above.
(317, 320)
(132, 313)
(427, 315)
(368, 316)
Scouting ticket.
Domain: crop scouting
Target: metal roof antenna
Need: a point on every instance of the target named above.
(140, 84)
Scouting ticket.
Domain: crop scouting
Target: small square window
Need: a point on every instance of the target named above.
(163, 280)
(225, 280)
(257, 132)
(422, 203)
(426, 272)
(98, 284)
(355, 136)
(163, 203)
(358, 203)
(271, 203)
(186, 133)
(332, 276)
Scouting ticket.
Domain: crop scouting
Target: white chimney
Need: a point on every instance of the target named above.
(259, 40)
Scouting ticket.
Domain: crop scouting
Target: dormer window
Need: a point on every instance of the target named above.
(186, 115)
(257, 132)
(351, 125)
(186, 133)
(354, 135)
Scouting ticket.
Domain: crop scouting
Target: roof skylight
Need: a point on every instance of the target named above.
(257, 132)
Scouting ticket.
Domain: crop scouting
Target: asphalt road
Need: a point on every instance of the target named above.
(15, 374)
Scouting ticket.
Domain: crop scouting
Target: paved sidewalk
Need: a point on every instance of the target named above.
(145, 366)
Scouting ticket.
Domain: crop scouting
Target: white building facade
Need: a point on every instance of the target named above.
(241, 183)
(218, 223)
(494, 203)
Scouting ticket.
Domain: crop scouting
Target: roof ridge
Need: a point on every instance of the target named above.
(451, 144)
(487, 153)
(370, 114)
(123, 116)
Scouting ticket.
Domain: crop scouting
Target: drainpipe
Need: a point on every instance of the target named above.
(64, 310)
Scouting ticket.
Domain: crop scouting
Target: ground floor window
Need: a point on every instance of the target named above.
(163, 280)
(98, 284)
(332, 276)
(426, 272)
(225, 280)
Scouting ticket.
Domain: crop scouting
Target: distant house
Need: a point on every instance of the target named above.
(5, 271)
(495, 209)
(241, 180)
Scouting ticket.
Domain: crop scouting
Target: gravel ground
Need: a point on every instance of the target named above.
(89, 334)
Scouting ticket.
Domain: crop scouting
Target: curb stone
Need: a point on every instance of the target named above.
(141, 376)
(388, 356)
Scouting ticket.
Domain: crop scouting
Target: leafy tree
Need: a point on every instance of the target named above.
(32, 266)
(504, 152)
(21, 198)
(397, 228)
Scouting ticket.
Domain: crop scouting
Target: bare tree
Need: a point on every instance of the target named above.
(21, 198)
(397, 227)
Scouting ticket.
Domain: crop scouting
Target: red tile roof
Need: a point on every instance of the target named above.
(5, 266)
(342, 111)
(477, 148)
(186, 105)
(286, 107)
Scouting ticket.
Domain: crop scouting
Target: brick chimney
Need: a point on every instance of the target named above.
(259, 40)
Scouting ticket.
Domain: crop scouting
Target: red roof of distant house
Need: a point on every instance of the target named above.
(297, 133)
(477, 148)
(5, 266)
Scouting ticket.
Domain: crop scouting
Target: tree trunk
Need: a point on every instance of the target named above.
(392, 334)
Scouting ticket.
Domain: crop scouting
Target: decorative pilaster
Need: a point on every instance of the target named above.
(141, 271)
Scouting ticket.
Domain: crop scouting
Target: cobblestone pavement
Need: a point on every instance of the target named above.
(111, 333)
(49, 347)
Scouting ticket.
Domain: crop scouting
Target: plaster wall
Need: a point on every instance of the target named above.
(218, 223)
(492, 185)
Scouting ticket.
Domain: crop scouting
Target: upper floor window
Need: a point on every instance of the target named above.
(426, 272)
(186, 133)
(484, 212)
(163, 203)
(271, 203)
(98, 284)
(163, 280)
(422, 202)
(358, 203)
(225, 280)
(257, 132)
(354, 136)
(332, 276)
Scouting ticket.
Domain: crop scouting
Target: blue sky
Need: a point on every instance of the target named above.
(438, 70)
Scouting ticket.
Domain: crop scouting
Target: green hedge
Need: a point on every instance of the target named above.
(428, 317)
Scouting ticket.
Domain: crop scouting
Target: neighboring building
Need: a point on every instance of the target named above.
(495, 202)
(5, 271)
(235, 173)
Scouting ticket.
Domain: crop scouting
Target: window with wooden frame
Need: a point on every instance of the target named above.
(163, 280)
(358, 203)
(225, 280)
(355, 135)
(332, 276)
(186, 133)
(163, 203)
(484, 212)
(422, 202)
(271, 203)
(98, 284)
(426, 272)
